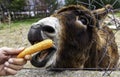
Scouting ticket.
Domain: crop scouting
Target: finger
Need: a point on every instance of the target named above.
(12, 50)
(3, 59)
(12, 66)
(28, 57)
(2, 71)
(10, 71)
(17, 61)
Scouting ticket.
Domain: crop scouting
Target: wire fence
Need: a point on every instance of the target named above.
(18, 15)
(105, 71)
(111, 20)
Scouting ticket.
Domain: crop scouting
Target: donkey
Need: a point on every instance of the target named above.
(81, 40)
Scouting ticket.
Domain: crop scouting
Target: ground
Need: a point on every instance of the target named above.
(17, 37)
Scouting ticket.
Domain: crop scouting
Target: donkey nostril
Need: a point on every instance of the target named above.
(48, 29)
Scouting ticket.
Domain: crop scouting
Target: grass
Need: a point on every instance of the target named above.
(118, 14)
(17, 23)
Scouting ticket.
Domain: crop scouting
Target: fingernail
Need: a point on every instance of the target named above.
(21, 48)
(6, 64)
(5, 68)
(10, 60)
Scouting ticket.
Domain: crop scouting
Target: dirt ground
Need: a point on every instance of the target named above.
(17, 37)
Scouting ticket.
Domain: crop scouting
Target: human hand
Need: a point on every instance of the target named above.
(9, 64)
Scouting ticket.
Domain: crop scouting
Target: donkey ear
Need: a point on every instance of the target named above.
(101, 13)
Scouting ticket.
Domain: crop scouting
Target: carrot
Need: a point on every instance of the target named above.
(45, 44)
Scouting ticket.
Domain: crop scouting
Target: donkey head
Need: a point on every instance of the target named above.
(72, 29)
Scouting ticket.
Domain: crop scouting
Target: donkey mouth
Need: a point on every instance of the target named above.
(41, 58)
(45, 54)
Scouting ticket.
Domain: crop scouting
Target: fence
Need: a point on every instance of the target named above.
(30, 71)
(41, 11)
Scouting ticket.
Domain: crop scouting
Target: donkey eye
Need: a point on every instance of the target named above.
(84, 20)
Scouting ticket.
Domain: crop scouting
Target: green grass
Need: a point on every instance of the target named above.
(28, 21)
(17, 23)
(118, 14)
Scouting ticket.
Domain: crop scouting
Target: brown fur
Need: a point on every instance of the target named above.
(85, 49)
(82, 45)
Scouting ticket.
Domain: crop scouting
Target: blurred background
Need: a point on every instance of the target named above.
(24, 9)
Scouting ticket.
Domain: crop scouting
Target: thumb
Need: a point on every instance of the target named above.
(12, 50)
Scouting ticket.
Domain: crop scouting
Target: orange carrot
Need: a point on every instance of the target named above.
(45, 44)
